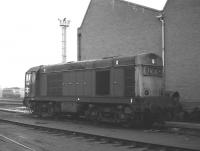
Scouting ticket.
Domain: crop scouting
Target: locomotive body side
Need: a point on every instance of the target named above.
(123, 89)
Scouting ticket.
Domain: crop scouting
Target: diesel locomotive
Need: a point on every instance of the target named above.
(117, 89)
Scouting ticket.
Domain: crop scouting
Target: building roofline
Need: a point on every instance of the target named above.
(124, 1)
(79, 28)
(152, 9)
(166, 4)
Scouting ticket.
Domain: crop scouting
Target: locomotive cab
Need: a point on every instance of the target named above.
(148, 75)
(31, 83)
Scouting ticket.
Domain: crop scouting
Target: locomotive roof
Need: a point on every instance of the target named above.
(34, 69)
(102, 63)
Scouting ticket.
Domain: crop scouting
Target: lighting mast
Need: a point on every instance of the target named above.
(64, 24)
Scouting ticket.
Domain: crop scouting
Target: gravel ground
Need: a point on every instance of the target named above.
(39, 140)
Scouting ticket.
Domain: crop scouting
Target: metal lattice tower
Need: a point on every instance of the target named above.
(64, 24)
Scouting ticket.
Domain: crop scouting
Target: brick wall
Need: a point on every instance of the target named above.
(183, 48)
(113, 28)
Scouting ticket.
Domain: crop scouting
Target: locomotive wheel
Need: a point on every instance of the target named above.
(94, 114)
(36, 109)
(50, 109)
(116, 118)
(44, 111)
(119, 116)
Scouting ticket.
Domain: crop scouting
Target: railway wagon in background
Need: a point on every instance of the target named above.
(119, 89)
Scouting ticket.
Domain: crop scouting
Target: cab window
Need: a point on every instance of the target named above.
(28, 78)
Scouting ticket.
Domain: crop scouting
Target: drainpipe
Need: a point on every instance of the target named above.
(162, 20)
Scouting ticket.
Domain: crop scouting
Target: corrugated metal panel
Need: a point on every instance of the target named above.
(89, 83)
(79, 83)
(117, 84)
(54, 84)
(72, 77)
(66, 84)
(129, 75)
(43, 85)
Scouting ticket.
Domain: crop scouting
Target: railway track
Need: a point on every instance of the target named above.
(14, 102)
(13, 144)
(133, 139)
(169, 127)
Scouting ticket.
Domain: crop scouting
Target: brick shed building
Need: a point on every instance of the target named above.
(120, 28)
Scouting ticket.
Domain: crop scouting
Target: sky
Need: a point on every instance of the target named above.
(30, 34)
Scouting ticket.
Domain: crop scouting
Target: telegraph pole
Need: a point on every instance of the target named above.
(64, 24)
